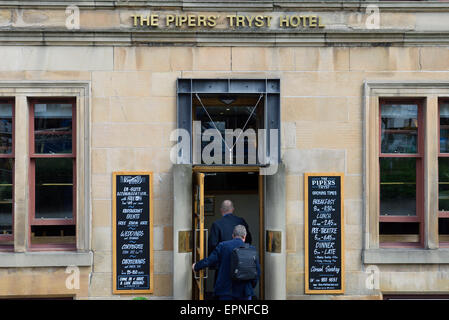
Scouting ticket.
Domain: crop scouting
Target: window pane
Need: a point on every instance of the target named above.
(443, 229)
(243, 112)
(52, 128)
(444, 127)
(443, 184)
(53, 235)
(232, 181)
(5, 128)
(398, 186)
(6, 196)
(399, 128)
(399, 232)
(54, 188)
(443, 226)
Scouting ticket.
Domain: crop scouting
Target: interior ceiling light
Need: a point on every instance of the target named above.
(227, 100)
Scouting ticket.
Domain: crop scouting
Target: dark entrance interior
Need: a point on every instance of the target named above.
(231, 112)
(243, 189)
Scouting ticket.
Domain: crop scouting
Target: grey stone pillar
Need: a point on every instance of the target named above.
(21, 163)
(182, 221)
(275, 263)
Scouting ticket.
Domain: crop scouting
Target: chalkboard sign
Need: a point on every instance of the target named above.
(324, 233)
(132, 237)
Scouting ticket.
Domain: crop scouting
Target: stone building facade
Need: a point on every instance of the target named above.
(336, 71)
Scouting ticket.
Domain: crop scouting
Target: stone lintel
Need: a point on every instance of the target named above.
(210, 38)
(266, 5)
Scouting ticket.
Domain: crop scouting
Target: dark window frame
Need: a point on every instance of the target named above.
(33, 221)
(10, 237)
(419, 156)
(441, 214)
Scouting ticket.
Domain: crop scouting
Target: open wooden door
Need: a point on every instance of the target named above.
(199, 239)
(261, 237)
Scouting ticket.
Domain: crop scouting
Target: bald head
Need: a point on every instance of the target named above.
(227, 207)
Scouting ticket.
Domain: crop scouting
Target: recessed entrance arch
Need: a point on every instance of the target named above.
(249, 94)
(272, 220)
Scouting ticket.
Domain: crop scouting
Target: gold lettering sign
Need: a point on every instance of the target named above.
(231, 21)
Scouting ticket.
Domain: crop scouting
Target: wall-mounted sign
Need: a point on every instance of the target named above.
(229, 20)
(273, 241)
(132, 238)
(324, 233)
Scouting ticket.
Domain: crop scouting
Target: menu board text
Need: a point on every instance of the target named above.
(324, 234)
(132, 233)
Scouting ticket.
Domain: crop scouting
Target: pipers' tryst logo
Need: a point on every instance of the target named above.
(131, 179)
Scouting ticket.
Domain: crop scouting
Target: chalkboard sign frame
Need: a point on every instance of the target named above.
(114, 231)
(306, 231)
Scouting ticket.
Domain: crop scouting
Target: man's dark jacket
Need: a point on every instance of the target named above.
(221, 230)
(221, 258)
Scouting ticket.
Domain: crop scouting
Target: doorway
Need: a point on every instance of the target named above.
(247, 107)
(244, 187)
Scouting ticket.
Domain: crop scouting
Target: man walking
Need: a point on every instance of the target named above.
(225, 287)
(221, 230)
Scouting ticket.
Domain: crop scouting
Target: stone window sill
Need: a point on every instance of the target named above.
(405, 256)
(45, 259)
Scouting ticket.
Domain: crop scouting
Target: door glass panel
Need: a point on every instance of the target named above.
(398, 186)
(54, 188)
(399, 128)
(52, 128)
(6, 196)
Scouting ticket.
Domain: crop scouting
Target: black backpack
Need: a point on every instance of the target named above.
(244, 263)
